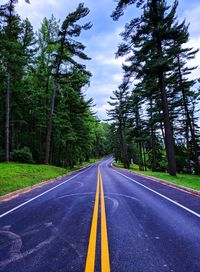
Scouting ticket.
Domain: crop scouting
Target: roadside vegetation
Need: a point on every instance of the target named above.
(155, 110)
(45, 116)
(186, 180)
(14, 176)
(154, 114)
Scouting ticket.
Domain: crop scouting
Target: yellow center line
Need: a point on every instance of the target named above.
(90, 261)
(105, 259)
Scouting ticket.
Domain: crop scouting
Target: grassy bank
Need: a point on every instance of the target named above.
(14, 176)
(190, 181)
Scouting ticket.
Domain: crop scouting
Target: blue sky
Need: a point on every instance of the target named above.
(102, 40)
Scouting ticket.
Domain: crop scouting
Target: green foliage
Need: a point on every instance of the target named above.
(22, 155)
(14, 176)
(119, 115)
(47, 84)
(161, 110)
(190, 181)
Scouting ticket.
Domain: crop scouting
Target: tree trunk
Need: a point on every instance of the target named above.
(195, 146)
(169, 141)
(46, 94)
(162, 129)
(153, 154)
(144, 157)
(50, 123)
(141, 165)
(153, 146)
(124, 152)
(189, 123)
(7, 123)
(187, 147)
(12, 142)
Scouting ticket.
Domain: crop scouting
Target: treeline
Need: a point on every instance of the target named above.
(45, 117)
(154, 111)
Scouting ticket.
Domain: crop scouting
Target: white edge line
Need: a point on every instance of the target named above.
(109, 162)
(165, 197)
(167, 183)
(53, 188)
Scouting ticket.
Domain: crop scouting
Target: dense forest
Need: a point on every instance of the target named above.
(155, 109)
(45, 117)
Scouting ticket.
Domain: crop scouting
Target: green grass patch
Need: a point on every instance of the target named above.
(14, 176)
(190, 181)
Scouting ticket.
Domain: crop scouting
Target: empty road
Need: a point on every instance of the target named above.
(101, 219)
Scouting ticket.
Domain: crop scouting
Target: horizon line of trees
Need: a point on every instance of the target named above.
(45, 115)
(154, 111)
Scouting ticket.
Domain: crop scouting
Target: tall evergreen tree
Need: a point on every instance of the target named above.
(119, 116)
(67, 49)
(11, 57)
(149, 39)
(188, 97)
(44, 71)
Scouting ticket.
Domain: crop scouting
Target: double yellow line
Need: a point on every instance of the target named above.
(105, 259)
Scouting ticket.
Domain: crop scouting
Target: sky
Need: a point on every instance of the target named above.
(103, 39)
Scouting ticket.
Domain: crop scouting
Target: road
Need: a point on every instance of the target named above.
(101, 219)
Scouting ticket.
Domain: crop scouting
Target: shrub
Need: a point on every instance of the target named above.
(22, 155)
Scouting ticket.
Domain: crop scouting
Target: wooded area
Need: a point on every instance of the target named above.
(45, 115)
(47, 119)
(155, 109)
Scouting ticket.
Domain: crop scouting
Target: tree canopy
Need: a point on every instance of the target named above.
(161, 108)
(46, 117)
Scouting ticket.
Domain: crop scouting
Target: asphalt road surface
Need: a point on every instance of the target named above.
(101, 219)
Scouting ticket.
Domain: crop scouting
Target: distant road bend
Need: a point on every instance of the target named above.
(101, 219)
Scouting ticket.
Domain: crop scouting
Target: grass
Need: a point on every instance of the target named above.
(14, 176)
(190, 181)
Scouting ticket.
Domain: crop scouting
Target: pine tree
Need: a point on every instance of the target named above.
(188, 97)
(28, 42)
(72, 119)
(39, 67)
(67, 49)
(148, 39)
(119, 115)
(10, 57)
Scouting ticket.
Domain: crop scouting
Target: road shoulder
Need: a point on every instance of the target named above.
(161, 181)
(27, 189)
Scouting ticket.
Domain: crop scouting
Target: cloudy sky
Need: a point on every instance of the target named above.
(102, 40)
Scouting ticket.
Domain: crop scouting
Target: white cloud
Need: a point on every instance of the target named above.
(194, 43)
(106, 69)
(101, 42)
(111, 60)
(192, 17)
(38, 9)
(54, 3)
(101, 111)
(117, 78)
(103, 39)
(102, 96)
